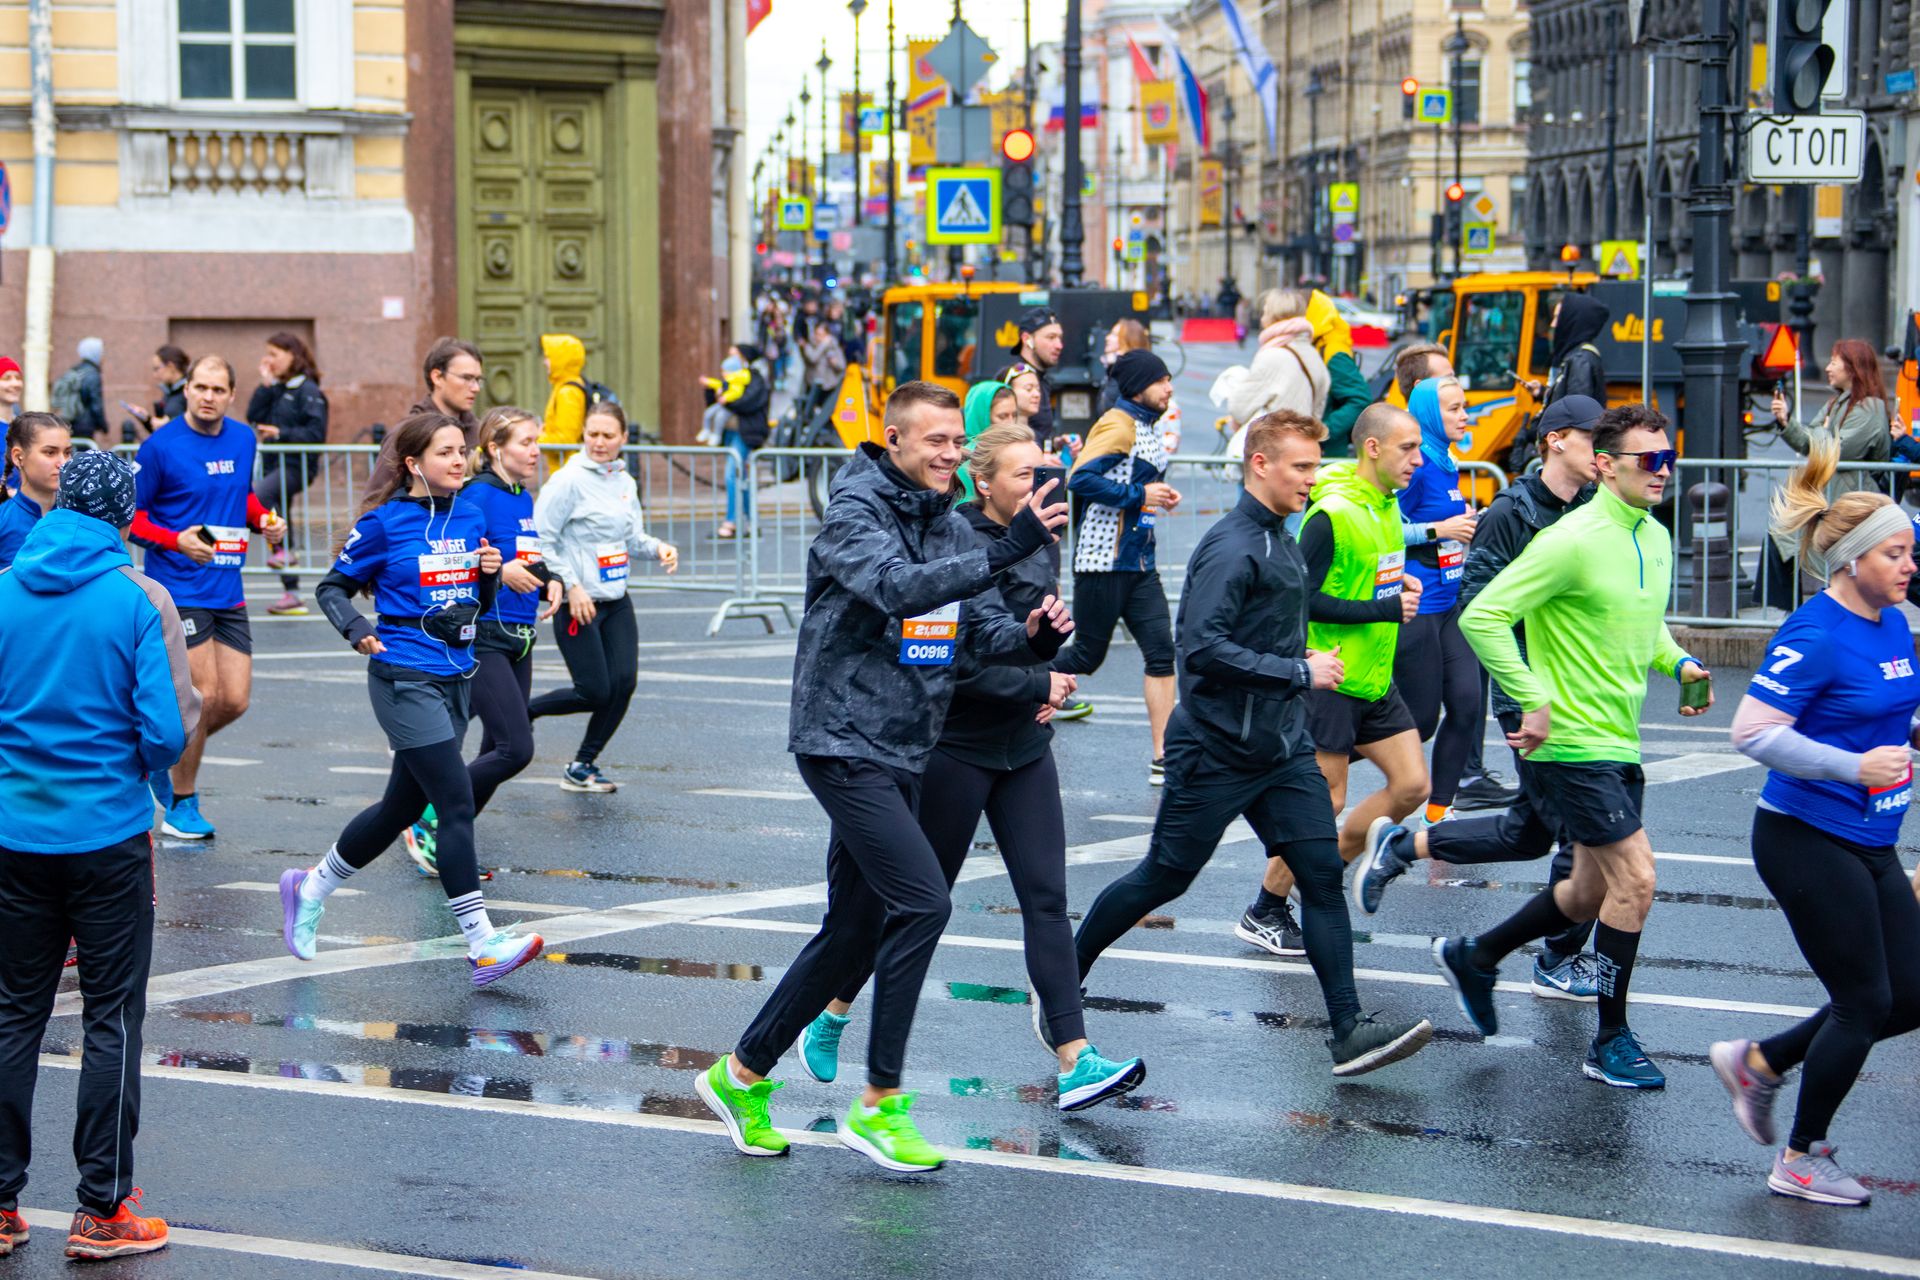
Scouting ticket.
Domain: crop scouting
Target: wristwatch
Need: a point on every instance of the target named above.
(1433, 533)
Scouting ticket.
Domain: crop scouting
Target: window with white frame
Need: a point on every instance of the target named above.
(1522, 90)
(238, 50)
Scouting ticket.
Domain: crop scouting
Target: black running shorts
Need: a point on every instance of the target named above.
(227, 626)
(1339, 722)
(1590, 803)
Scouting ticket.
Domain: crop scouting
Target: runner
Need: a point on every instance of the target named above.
(1118, 479)
(895, 584)
(1831, 713)
(1239, 742)
(425, 555)
(38, 445)
(508, 458)
(1564, 970)
(1593, 593)
(1432, 665)
(196, 504)
(995, 755)
(590, 525)
(1355, 554)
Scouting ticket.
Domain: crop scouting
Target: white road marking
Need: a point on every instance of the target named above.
(1695, 764)
(741, 794)
(1630, 1233)
(693, 677)
(232, 762)
(367, 770)
(493, 904)
(399, 1264)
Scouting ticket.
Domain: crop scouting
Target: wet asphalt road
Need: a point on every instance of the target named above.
(375, 1102)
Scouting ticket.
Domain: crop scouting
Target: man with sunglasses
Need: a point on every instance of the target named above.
(1041, 341)
(1592, 591)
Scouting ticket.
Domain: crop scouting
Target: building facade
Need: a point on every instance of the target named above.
(372, 174)
(1583, 190)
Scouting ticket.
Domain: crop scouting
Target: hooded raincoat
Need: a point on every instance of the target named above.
(566, 412)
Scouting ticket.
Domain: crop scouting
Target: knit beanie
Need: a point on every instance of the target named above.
(1135, 371)
(99, 484)
(92, 349)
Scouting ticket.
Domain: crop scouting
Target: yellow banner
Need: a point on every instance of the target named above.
(1159, 114)
(926, 94)
(850, 136)
(800, 176)
(1009, 113)
(1213, 192)
(877, 177)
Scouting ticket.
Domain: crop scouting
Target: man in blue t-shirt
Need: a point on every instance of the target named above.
(194, 494)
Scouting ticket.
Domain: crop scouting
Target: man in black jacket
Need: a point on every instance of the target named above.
(1574, 367)
(1563, 970)
(1239, 743)
(895, 584)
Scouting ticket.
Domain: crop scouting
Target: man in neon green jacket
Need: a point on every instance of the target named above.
(1592, 590)
(1355, 553)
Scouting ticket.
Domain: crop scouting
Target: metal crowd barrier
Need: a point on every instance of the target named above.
(1728, 571)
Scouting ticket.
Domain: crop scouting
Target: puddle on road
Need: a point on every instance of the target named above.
(615, 877)
(669, 966)
(528, 1044)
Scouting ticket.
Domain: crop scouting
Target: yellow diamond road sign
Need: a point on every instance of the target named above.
(1482, 207)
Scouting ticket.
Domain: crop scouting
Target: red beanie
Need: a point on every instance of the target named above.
(7, 365)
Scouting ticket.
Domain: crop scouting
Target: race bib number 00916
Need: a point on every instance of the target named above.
(929, 639)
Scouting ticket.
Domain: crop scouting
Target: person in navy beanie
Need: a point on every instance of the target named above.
(82, 727)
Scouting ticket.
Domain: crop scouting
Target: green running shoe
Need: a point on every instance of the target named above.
(820, 1045)
(887, 1137)
(743, 1111)
(1095, 1079)
(422, 841)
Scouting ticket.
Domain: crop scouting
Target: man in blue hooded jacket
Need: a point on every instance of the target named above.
(82, 729)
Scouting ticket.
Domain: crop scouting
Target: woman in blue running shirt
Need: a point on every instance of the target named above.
(1831, 713)
(505, 459)
(424, 553)
(38, 445)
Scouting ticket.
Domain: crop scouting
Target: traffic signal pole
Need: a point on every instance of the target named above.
(1709, 350)
(1073, 230)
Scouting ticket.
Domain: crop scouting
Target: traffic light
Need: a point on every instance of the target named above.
(1455, 193)
(1409, 90)
(1799, 61)
(1016, 179)
(1119, 246)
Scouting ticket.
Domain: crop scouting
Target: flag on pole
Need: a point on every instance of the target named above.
(757, 11)
(1143, 71)
(1089, 103)
(1193, 96)
(1260, 70)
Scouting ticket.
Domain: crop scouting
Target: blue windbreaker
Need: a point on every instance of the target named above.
(18, 515)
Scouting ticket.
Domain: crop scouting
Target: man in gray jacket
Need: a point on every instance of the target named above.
(896, 586)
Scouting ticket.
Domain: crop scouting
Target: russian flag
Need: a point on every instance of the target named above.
(1089, 104)
(1193, 97)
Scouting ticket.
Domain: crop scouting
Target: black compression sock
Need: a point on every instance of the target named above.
(187, 796)
(1539, 917)
(1268, 902)
(1616, 949)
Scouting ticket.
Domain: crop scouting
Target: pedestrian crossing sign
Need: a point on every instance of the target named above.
(963, 206)
(1343, 197)
(1434, 106)
(796, 213)
(1620, 259)
(1477, 239)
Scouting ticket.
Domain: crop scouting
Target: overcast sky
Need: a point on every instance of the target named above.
(782, 51)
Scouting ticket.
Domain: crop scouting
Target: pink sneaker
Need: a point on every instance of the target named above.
(281, 557)
(288, 606)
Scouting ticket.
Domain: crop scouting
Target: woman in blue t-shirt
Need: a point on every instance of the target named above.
(505, 458)
(425, 555)
(1831, 713)
(38, 445)
(1433, 666)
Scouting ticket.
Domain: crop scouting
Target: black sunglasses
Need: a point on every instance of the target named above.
(1654, 460)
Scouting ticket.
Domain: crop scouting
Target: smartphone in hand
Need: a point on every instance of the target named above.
(1059, 474)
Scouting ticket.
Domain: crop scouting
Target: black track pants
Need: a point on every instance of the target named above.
(502, 688)
(603, 657)
(1433, 668)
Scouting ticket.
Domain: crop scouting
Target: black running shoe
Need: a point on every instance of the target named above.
(1276, 931)
(1488, 791)
(1471, 983)
(1370, 1045)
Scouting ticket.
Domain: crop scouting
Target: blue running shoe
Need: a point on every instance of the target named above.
(502, 953)
(1618, 1060)
(1095, 1079)
(423, 846)
(1384, 860)
(820, 1045)
(183, 820)
(1575, 978)
(1472, 984)
(299, 919)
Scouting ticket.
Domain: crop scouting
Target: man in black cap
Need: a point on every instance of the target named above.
(1565, 480)
(1118, 480)
(1039, 346)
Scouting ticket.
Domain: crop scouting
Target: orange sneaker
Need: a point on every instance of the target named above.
(125, 1232)
(13, 1230)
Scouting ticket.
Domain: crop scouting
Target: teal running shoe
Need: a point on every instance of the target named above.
(502, 953)
(299, 919)
(887, 1137)
(1095, 1079)
(183, 820)
(1618, 1060)
(422, 841)
(820, 1045)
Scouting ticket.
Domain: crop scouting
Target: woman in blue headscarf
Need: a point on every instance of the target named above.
(1433, 666)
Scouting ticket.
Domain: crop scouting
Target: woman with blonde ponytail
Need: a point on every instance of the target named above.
(1831, 713)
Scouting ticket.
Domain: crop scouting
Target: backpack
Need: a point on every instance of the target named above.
(595, 392)
(68, 403)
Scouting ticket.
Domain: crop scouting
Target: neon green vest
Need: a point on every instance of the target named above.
(1369, 559)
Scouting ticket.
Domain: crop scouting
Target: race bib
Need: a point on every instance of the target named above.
(449, 569)
(1453, 560)
(1148, 518)
(1893, 798)
(613, 562)
(928, 640)
(526, 550)
(189, 626)
(229, 545)
(1387, 574)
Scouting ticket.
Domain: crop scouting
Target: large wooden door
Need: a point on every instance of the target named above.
(539, 214)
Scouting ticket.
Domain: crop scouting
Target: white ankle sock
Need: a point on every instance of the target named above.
(470, 909)
(331, 874)
(734, 1079)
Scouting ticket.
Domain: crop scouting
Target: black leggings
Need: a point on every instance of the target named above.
(1434, 666)
(603, 657)
(501, 689)
(1853, 913)
(431, 775)
(1100, 600)
(1023, 811)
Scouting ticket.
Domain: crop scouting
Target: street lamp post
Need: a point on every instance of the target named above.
(1073, 230)
(1314, 89)
(1227, 171)
(1457, 47)
(856, 8)
(1610, 183)
(824, 65)
(893, 169)
(807, 182)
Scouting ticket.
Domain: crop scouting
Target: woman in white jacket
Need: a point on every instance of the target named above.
(1287, 372)
(591, 527)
